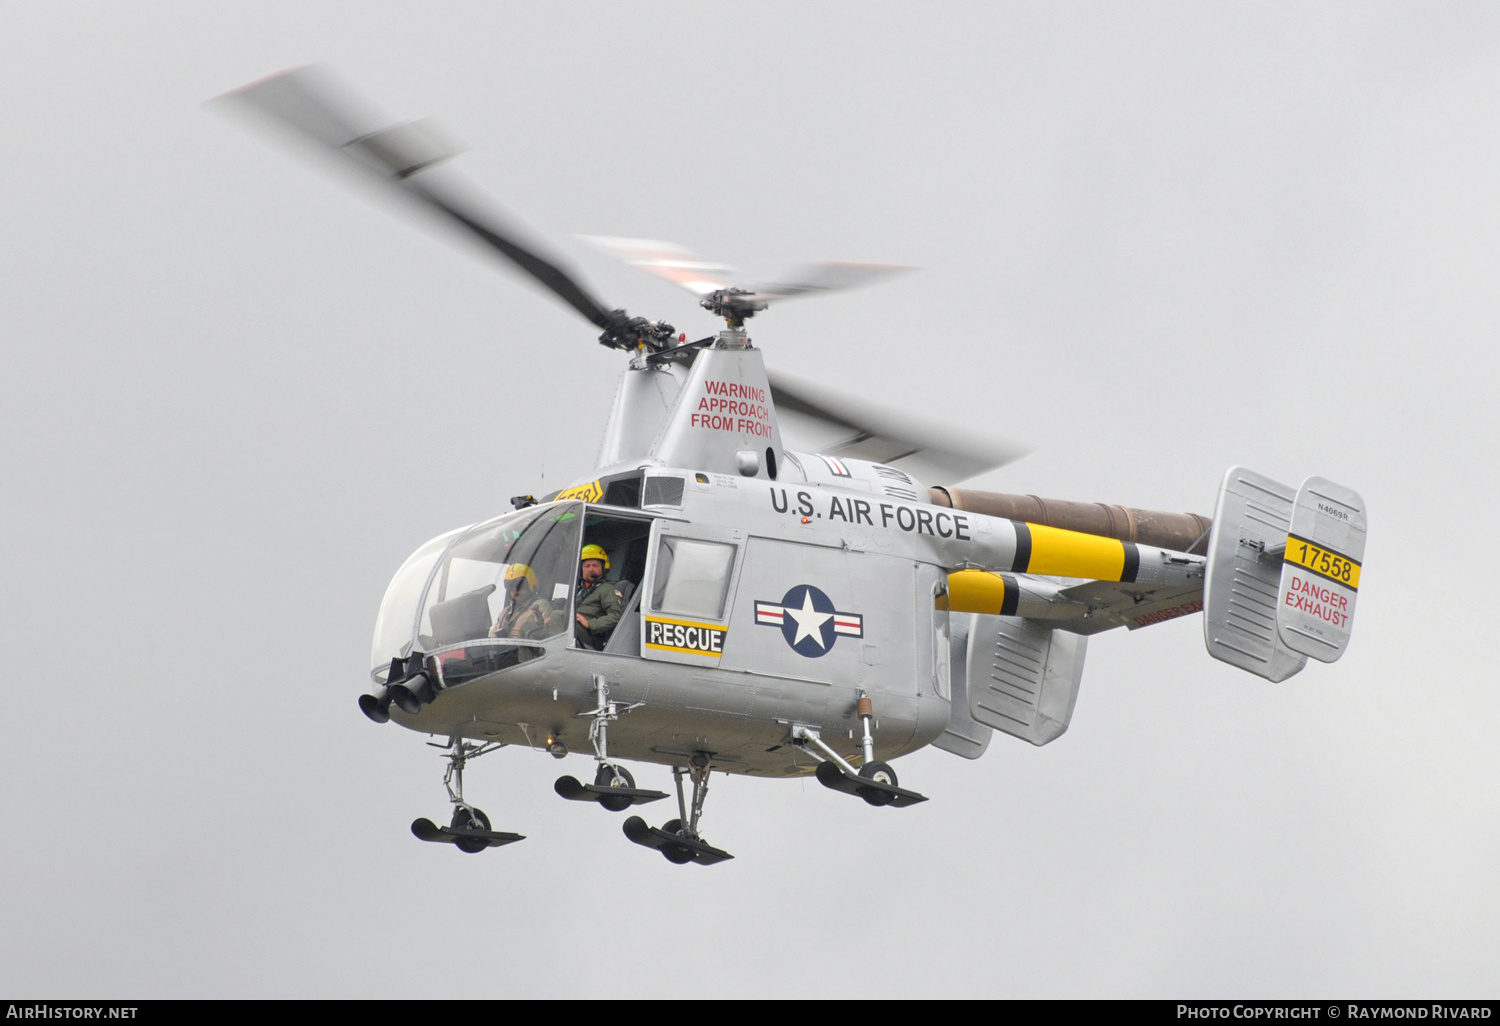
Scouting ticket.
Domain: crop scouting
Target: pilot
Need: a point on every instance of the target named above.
(599, 601)
(526, 614)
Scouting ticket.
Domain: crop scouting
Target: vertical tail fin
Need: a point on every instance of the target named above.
(1283, 571)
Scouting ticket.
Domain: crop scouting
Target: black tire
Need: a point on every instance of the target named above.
(673, 853)
(881, 773)
(614, 776)
(470, 819)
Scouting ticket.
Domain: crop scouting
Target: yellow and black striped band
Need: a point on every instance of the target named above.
(1058, 553)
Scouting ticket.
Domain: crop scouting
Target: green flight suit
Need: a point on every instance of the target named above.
(536, 618)
(601, 605)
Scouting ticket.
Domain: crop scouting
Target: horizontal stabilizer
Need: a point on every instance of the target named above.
(1130, 605)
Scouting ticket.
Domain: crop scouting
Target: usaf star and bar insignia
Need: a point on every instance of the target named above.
(808, 621)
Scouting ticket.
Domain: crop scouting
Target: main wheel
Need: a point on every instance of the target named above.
(880, 773)
(470, 819)
(614, 776)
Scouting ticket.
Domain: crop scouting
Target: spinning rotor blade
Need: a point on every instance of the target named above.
(667, 260)
(710, 281)
(313, 103)
(883, 437)
(815, 279)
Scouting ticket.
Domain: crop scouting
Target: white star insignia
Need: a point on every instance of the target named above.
(809, 621)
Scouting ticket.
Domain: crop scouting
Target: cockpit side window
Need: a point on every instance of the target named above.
(512, 576)
(692, 577)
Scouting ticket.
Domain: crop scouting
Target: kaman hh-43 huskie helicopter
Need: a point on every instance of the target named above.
(782, 613)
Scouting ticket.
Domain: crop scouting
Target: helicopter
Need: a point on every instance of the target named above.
(774, 612)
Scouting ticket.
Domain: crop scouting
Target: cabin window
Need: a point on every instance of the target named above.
(692, 577)
(624, 491)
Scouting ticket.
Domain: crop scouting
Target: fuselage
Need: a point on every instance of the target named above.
(752, 605)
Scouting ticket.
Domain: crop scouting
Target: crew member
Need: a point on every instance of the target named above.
(526, 614)
(599, 602)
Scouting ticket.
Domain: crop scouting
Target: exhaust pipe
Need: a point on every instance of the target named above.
(413, 692)
(377, 706)
(408, 685)
(1180, 532)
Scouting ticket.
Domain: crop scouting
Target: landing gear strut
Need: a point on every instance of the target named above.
(875, 782)
(613, 787)
(678, 839)
(470, 829)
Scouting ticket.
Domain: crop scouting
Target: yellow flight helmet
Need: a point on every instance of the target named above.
(517, 571)
(594, 552)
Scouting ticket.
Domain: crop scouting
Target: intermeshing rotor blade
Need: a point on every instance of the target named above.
(815, 279)
(550, 275)
(313, 103)
(712, 282)
(935, 454)
(667, 260)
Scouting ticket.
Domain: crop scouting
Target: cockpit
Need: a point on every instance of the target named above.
(490, 596)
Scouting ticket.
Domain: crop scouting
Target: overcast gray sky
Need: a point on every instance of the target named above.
(1156, 240)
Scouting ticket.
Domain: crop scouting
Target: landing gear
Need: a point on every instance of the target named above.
(875, 782)
(613, 787)
(878, 773)
(616, 778)
(469, 820)
(676, 854)
(678, 839)
(469, 830)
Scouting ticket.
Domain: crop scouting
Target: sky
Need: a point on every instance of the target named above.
(1155, 240)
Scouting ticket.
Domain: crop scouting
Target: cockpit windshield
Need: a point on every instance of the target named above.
(508, 578)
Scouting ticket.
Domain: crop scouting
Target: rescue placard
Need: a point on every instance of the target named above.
(684, 636)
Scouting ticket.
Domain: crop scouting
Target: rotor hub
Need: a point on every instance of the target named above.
(734, 305)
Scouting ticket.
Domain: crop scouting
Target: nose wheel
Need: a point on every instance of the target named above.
(469, 831)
